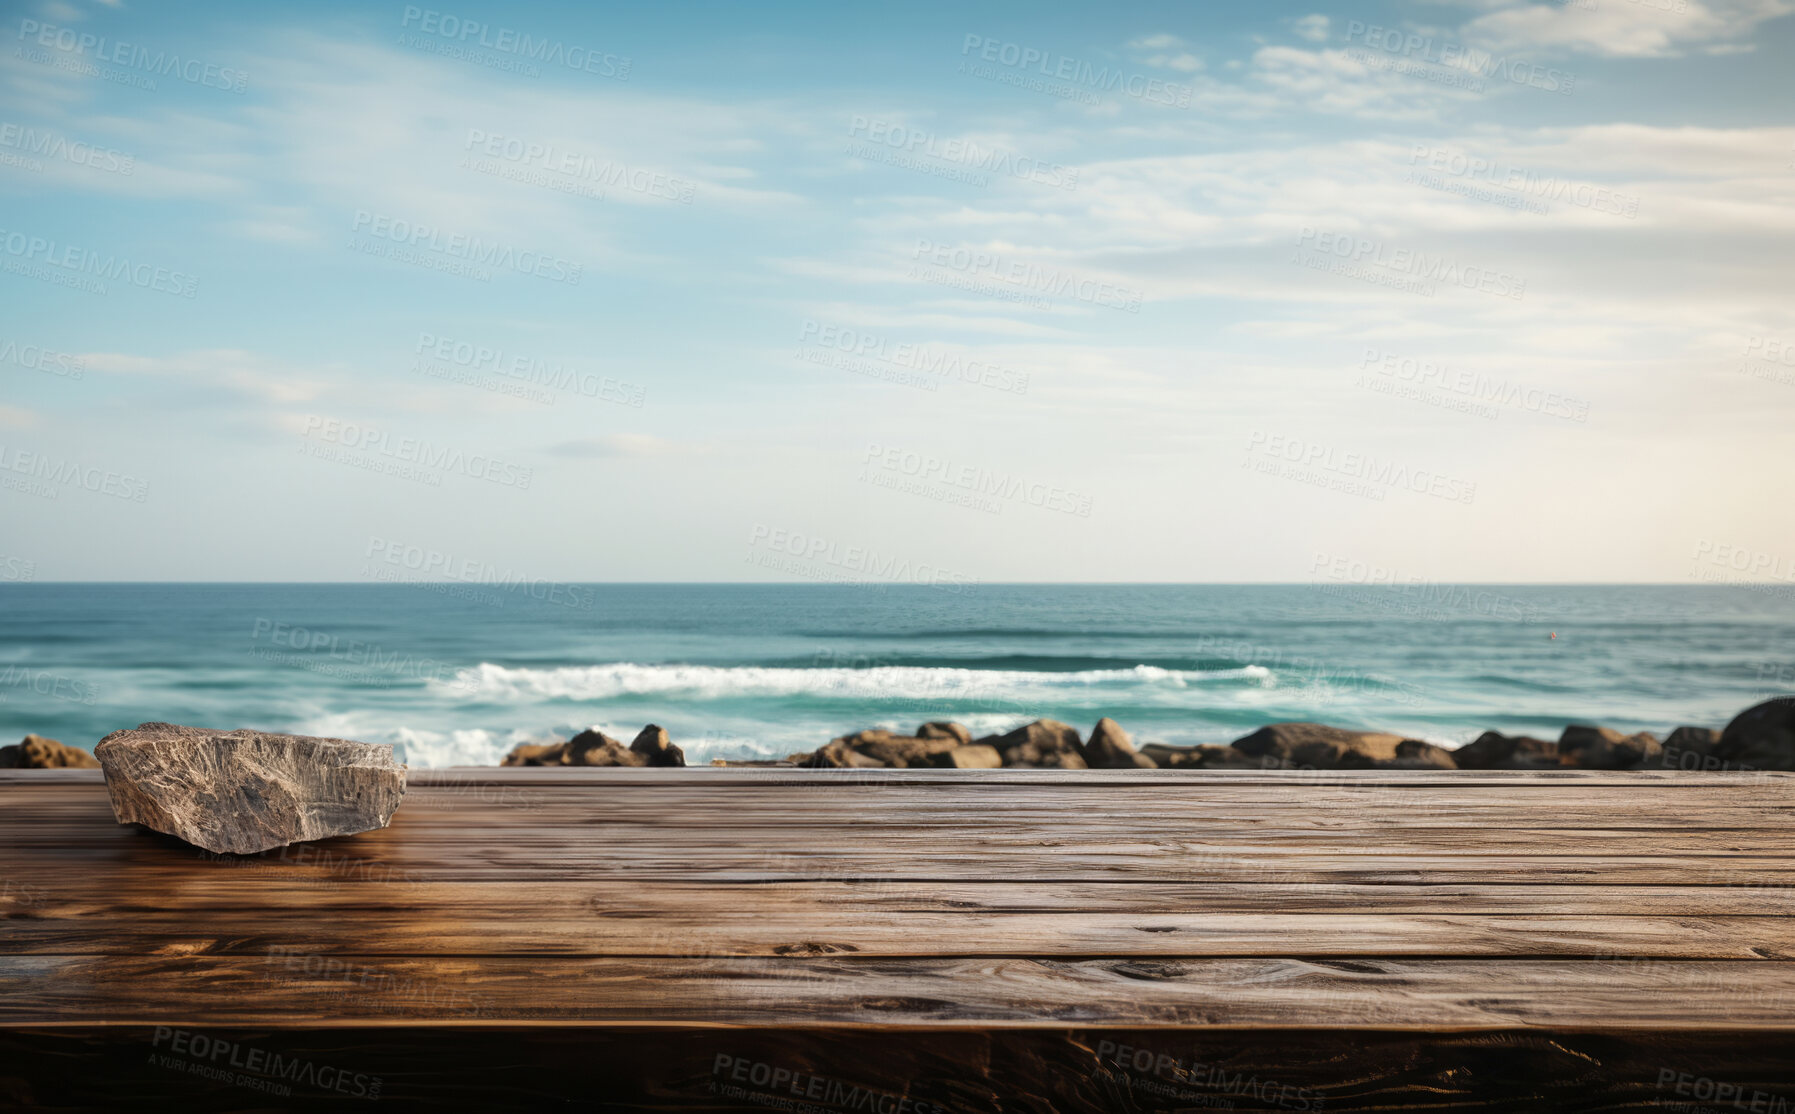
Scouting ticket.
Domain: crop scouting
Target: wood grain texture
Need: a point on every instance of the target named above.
(967, 900)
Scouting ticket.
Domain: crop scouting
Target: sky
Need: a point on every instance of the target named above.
(1458, 290)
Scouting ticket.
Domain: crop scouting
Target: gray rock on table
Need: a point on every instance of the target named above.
(246, 791)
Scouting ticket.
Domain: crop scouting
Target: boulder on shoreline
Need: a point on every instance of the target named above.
(1698, 742)
(1603, 748)
(1203, 756)
(1320, 747)
(935, 745)
(1496, 751)
(593, 747)
(1761, 737)
(1110, 748)
(35, 752)
(973, 757)
(1044, 744)
(943, 730)
(655, 749)
(240, 792)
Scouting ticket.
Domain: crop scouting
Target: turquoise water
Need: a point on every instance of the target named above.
(458, 674)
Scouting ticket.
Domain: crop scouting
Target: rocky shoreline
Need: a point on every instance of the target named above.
(1760, 738)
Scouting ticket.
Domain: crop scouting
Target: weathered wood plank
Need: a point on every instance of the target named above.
(259, 885)
(350, 863)
(598, 835)
(53, 992)
(71, 813)
(746, 928)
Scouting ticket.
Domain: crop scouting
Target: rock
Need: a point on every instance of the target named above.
(878, 747)
(974, 757)
(1603, 748)
(1317, 746)
(655, 748)
(835, 756)
(1046, 743)
(1416, 754)
(1691, 748)
(1168, 757)
(1110, 748)
(593, 747)
(943, 730)
(243, 791)
(34, 752)
(1203, 756)
(528, 754)
(1699, 741)
(1496, 751)
(1761, 737)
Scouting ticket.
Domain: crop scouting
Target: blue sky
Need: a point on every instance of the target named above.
(1476, 290)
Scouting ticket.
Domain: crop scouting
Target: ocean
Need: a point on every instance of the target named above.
(458, 674)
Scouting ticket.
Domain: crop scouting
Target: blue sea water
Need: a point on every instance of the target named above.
(458, 674)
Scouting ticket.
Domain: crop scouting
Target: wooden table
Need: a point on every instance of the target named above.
(719, 939)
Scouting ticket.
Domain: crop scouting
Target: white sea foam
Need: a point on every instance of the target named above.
(502, 684)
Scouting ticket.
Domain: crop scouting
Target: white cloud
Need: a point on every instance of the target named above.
(1185, 63)
(1334, 82)
(1160, 41)
(17, 417)
(230, 373)
(616, 445)
(1314, 28)
(1632, 29)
